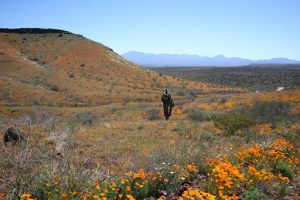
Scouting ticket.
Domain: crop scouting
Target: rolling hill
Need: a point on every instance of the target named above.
(58, 68)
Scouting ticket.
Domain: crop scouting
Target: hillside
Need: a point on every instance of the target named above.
(58, 68)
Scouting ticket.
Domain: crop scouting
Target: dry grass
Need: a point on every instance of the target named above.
(122, 140)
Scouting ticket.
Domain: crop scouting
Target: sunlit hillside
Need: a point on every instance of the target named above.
(65, 69)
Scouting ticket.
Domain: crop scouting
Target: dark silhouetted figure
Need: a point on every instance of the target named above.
(168, 103)
(13, 134)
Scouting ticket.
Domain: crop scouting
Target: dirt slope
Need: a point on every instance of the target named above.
(58, 68)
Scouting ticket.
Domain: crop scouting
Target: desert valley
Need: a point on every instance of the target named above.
(94, 128)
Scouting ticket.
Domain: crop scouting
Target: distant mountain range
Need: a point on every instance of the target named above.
(180, 60)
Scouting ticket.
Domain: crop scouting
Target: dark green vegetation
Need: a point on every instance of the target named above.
(197, 115)
(233, 121)
(262, 78)
(260, 112)
(268, 112)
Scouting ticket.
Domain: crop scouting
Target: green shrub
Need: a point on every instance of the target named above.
(190, 93)
(85, 118)
(232, 121)
(35, 103)
(193, 93)
(268, 112)
(254, 194)
(289, 135)
(198, 115)
(207, 136)
(183, 130)
(249, 137)
(284, 169)
(179, 127)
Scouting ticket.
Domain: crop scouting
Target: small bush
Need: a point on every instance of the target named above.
(223, 101)
(268, 112)
(153, 114)
(71, 75)
(141, 127)
(284, 169)
(191, 93)
(53, 87)
(85, 118)
(198, 115)
(254, 194)
(207, 136)
(126, 100)
(36, 80)
(180, 93)
(182, 129)
(232, 121)
(35, 103)
(289, 135)
(179, 127)
(249, 137)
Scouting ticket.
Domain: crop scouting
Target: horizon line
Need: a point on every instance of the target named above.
(257, 59)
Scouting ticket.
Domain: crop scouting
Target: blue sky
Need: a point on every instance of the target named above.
(254, 29)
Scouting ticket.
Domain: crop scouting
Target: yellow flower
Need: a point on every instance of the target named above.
(96, 197)
(25, 196)
(64, 195)
(98, 186)
(122, 181)
(130, 197)
(128, 188)
(191, 194)
(141, 174)
(225, 176)
(192, 168)
(113, 184)
(102, 194)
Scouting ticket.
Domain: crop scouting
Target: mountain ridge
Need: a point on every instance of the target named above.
(189, 60)
(33, 30)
